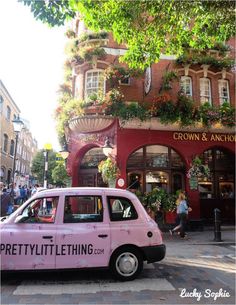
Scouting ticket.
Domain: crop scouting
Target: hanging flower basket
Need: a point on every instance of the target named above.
(198, 170)
(109, 170)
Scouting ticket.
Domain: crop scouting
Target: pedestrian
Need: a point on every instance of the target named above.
(34, 189)
(182, 214)
(6, 204)
(16, 193)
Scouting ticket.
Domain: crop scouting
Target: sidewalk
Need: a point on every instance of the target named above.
(205, 237)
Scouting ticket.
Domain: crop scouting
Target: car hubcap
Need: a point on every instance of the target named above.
(127, 264)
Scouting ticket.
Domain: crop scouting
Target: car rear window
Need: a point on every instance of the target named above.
(121, 209)
(83, 209)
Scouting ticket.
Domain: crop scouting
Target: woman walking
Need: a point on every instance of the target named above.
(182, 213)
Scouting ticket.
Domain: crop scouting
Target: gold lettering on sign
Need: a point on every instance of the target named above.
(204, 138)
(215, 137)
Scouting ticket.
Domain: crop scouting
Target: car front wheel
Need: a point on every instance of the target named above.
(126, 264)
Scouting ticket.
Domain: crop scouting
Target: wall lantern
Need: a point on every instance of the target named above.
(107, 148)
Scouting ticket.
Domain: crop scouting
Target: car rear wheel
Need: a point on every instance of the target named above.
(126, 263)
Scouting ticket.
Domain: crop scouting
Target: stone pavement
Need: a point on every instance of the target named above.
(195, 266)
(205, 237)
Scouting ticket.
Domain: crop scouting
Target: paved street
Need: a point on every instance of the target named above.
(195, 271)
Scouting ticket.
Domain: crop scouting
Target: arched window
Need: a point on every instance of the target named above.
(88, 171)
(220, 184)
(12, 148)
(155, 166)
(205, 91)
(186, 85)
(94, 84)
(223, 86)
(5, 142)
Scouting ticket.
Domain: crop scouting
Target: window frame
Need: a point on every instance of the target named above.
(112, 219)
(25, 216)
(8, 113)
(86, 95)
(81, 220)
(221, 98)
(204, 96)
(12, 148)
(183, 88)
(5, 143)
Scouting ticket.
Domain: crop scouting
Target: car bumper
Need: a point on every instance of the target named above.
(154, 253)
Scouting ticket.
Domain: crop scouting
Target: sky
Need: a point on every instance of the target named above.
(31, 67)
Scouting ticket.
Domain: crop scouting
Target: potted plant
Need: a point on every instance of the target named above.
(158, 200)
(109, 171)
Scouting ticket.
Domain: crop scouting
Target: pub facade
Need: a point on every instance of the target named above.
(154, 149)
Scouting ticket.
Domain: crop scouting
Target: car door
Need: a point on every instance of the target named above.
(28, 241)
(83, 240)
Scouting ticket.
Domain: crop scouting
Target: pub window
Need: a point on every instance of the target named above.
(152, 166)
(92, 158)
(157, 179)
(94, 84)
(157, 156)
(223, 86)
(136, 159)
(221, 182)
(205, 91)
(186, 85)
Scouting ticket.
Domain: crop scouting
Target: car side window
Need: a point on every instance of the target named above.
(121, 209)
(40, 210)
(79, 209)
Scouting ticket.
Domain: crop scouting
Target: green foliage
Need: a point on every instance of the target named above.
(185, 109)
(167, 112)
(148, 28)
(38, 165)
(59, 175)
(88, 53)
(53, 12)
(167, 78)
(200, 59)
(67, 109)
(158, 199)
(227, 115)
(109, 170)
(91, 36)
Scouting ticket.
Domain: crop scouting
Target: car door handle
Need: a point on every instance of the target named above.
(47, 237)
(102, 235)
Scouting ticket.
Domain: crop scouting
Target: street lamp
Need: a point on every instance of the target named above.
(17, 126)
(47, 148)
(64, 152)
(107, 148)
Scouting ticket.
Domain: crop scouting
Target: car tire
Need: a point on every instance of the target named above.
(126, 263)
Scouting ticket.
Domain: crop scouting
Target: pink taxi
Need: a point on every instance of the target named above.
(81, 228)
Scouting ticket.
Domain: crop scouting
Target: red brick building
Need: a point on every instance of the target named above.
(157, 154)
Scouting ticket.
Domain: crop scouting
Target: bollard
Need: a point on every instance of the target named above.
(217, 220)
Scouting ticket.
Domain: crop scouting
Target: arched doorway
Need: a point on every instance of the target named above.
(218, 191)
(88, 170)
(155, 166)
